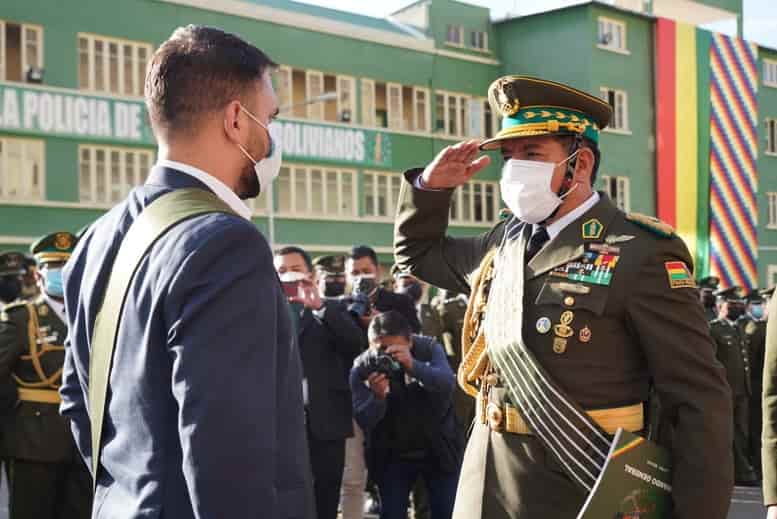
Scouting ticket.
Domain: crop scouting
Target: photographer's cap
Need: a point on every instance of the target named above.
(331, 265)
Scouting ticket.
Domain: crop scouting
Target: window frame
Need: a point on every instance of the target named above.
(392, 180)
(91, 86)
(460, 32)
(612, 22)
(458, 202)
(769, 64)
(771, 210)
(23, 59)
(459, 97)
(295, 213)
(604, 92)
(474, 35)
(622, 183)
(771, 137)
(138, 174)
(25, 144)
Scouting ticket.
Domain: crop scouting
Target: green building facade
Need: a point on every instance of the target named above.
(362, 100)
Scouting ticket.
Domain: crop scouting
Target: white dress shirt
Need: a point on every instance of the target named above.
(57, 306)
(217, 186)
(559, 225)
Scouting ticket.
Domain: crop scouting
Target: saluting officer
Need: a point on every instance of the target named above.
(732, 352)
(575, 308)
(48, 477)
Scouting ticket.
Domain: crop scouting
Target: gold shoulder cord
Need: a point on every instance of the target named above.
(33, 335)
(475, 362)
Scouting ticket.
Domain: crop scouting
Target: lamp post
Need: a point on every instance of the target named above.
(326, 96)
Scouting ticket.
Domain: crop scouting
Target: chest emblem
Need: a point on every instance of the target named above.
(563, 330)
(592, 229)
(593, 267)
(543, 325)
(585, 335)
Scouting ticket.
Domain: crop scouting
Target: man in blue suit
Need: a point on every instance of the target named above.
(204, 414)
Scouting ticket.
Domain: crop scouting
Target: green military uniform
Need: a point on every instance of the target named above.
(732, 352)
(707, 288)
(769, 435)
(451, 311)
(48, 477)
(603, 339)
(753, 328)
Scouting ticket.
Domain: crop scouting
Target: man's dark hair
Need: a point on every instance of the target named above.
(391, 323)
(585, 142)
(363, 251)
(297, 250)
(196, 71)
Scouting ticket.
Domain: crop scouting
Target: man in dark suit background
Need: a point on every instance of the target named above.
(329, 339)
(204, 413)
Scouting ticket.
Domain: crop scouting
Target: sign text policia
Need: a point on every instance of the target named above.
(64, 113)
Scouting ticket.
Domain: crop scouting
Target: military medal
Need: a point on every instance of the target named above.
(623, 238)
(543, 325)
(563, 330)
(43, 311)
(569, 301)
(559, 345)
(593, 267)
(585, 335)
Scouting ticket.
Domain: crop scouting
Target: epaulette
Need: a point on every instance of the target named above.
(651, 224)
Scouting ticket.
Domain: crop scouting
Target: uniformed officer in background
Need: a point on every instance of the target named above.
(604, 302)
(414, 289)
(48, 480)
(330, 272)
(11, 272)
(451, 307)
(732, 352)
(707, 288)
(753, 328)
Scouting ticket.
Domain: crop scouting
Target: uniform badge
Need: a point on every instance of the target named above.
(559, 345)
(612, 239)
(585, 335)
(543, 325)
(751, 328)
(569, 301)
(563, 330)
(679, 275)
(592, 229)
(62, 241)
(43, 310)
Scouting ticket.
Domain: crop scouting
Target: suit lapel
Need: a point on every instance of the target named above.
(570, 243)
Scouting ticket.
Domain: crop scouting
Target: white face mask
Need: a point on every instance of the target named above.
(290, 276)
(526, 190)
(267, 169)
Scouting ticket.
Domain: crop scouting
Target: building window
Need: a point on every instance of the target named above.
(316, 191)
(617, 188)
(21, 48)
(771, 136)
(479, 40)
(107, 174)
(476, 202)
(112, 66)
(455, 35)
(770, 73)
(620, 109)
(22, 169)
(772, 198)
(310, 94)
(395, 106)
(458, 115)
(612, 35)
(381, 194)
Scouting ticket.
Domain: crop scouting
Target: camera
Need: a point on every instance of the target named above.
(363, 288)
(378, 361)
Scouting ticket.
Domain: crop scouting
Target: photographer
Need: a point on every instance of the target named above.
(367, 298)
(402, 397)
(328, 341)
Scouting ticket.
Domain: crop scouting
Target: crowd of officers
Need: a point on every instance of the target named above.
(48, 479)
(738, 326)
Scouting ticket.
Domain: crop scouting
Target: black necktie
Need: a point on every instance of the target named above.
(537, 240)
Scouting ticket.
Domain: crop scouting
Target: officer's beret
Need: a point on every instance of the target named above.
(55, 247)
(710, 282)
(531, 106)
(11, 264)
(731, 294)
(330, 264)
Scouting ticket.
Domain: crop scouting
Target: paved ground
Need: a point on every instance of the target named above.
(745, 505)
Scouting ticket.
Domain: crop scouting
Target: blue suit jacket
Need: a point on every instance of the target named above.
(204, 416)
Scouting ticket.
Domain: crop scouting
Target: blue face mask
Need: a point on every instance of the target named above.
(757, 311)
(54, 286)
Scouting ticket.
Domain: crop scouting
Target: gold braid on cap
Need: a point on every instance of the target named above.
(503, 97)
(475, 362)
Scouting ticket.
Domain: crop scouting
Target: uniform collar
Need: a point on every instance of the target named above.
(58, 307)
(217, 186)
(559, 225)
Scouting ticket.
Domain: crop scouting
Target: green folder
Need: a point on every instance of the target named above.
(636, 482)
